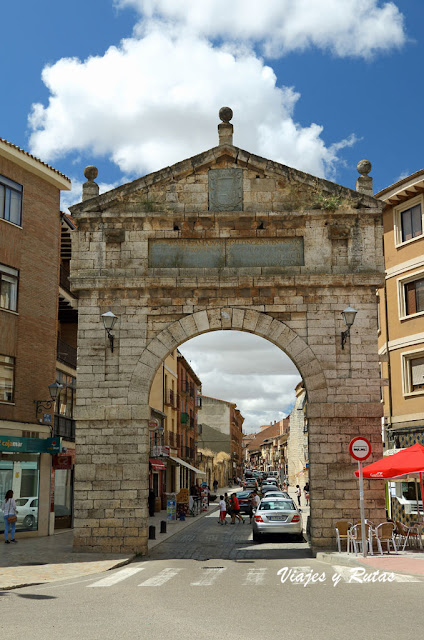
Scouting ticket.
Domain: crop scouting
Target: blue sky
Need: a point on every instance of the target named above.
(363, 97)
(134, 85)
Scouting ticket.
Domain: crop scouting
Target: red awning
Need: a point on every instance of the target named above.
(156, 464)
(406, 462)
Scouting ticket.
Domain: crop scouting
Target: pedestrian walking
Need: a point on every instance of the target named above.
(9, 512)
(215, 485)
(151, 502)
(228, 506)
(236, 509)
(306, 492)
(222, 511)
(253, 504)
(298, 494)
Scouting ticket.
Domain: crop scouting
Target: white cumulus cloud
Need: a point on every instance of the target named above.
(154, 100)
(246, 369)
(359, 28)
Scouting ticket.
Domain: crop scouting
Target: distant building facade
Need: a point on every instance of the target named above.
(297, 445)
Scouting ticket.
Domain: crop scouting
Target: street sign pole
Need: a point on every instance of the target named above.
(360, 450)
(362, 507)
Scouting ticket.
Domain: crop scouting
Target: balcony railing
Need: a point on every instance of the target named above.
(64, 279)
(66, 354)
(64, 427)
(170, 397)
(189, 452)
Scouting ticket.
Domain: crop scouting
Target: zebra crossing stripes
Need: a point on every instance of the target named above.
(119, 576)
(163, 576)
(255, 576)
(209, 577)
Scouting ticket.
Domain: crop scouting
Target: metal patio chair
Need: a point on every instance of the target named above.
(385, 532)
(342, 533)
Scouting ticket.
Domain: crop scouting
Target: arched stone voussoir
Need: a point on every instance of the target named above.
(248, 320)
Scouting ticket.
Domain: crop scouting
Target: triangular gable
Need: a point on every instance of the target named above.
(208, 159)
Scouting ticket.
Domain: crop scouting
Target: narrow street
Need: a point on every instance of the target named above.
(209, 580)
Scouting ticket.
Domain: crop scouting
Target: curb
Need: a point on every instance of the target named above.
(120, 563)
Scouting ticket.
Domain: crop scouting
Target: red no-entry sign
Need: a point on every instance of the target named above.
(360, 448)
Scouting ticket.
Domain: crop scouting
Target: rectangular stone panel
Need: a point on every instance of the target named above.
(219, 253)
(282, 252)
(225, 190)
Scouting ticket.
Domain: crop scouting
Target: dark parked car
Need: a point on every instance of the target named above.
(243, 498)
(250, 483)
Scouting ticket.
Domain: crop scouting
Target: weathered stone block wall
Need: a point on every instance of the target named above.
(297, 307)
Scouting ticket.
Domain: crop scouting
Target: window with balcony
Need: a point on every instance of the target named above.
(64, 413)
(10, 201)
(413, 372)
(8, 288)
(409, 221)
(7, 377)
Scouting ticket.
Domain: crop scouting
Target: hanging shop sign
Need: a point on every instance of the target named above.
(14, 444)
(63, 460)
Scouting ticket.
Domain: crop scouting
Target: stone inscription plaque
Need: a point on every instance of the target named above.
(197, 254)
(225, 190)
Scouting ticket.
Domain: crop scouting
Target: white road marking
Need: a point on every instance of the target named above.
(255, 576)
(164, 576)
(209, 577)
(114, 578)
(349, 573)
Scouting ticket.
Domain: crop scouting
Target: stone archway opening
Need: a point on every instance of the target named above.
(223, 240)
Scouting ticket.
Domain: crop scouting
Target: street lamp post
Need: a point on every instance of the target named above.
(46, 405)
(349, 315)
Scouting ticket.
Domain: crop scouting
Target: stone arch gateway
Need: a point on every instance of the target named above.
(223, 240)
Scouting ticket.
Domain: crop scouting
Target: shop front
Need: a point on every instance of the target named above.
(25, 468)
(63, 474)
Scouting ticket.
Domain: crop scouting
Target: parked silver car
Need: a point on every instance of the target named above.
(277, 494)
(277, 515)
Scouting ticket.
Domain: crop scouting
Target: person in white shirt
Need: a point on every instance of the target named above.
(222, 510)
(298, 493)
(9, 511)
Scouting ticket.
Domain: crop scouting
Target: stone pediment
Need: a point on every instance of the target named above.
(302, 190)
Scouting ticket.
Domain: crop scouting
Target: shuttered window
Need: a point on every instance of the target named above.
(414, 296)
(417, 373)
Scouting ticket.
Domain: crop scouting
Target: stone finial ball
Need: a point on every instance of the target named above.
(225, 114)
(364, 167)
(91, 172)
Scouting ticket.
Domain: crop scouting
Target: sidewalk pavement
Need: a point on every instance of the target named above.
(408, 561)
(51, 558)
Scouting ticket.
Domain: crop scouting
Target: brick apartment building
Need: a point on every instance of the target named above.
(30, 232)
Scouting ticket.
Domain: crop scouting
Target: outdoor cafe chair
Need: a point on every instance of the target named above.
(406, 534)
(342, 533)
(385, 532)
(355, 536)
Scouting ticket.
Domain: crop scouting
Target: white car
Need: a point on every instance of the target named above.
(277, 515)
(27, 512)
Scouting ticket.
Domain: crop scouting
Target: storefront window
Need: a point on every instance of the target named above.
(408, 491)
(63, 498)
(20, 472)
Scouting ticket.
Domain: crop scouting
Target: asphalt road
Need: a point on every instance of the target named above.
(210, 581)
